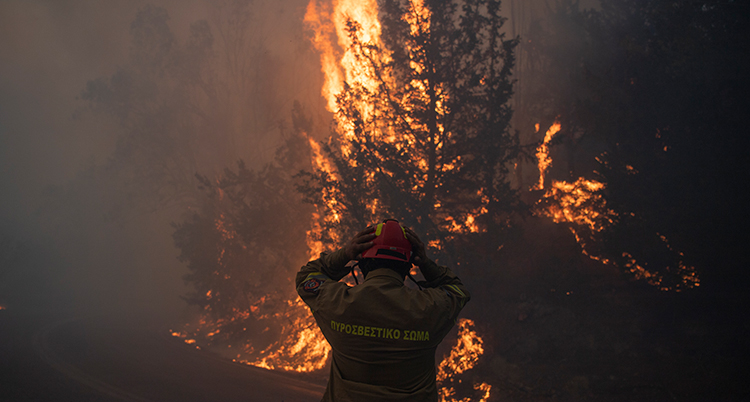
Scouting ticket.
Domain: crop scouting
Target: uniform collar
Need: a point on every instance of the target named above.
(385, 273)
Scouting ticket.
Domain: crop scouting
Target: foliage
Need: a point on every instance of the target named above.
(244, 243)
(425, 138)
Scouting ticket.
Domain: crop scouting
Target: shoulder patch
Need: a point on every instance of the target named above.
(312, 285)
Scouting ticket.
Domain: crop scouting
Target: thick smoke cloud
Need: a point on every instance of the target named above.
(61, 242)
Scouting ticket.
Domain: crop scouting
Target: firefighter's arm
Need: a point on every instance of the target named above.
(317, 276)
(436, 275)
(442, 277)
(333, 266)
(330, 266)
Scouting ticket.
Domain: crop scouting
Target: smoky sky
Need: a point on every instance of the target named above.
(49, 50)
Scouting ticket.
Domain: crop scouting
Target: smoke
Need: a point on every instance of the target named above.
(79, 226)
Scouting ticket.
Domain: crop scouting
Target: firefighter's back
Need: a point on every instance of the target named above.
(384, 337)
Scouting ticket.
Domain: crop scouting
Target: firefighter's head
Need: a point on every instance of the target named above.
(391, 249)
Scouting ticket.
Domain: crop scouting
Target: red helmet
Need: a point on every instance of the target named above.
(391, 243)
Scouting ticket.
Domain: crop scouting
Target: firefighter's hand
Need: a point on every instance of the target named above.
(360, 242)
(419, 255)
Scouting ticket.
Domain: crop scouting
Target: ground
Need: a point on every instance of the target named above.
(54, 356)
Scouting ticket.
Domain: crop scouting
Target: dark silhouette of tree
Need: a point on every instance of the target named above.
(649, 97)
(244, 243)
(188, 106)
(426, 138)
(187, 109)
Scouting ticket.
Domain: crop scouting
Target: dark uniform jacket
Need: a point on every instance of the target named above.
(383, 333)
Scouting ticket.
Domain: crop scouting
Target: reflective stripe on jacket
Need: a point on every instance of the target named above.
(383, 334)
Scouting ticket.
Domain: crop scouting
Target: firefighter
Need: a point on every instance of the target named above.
(382, 332)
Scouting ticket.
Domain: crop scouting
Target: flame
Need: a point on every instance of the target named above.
(463, 357)
(465, 354)
(299, 347)
(582, 205)
(314, 244)
(302, 347)
(542, 152)
(296, 342)
(315, 247)
(340, 63)
(336, 27)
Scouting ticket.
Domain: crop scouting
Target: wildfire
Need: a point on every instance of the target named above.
(297, 344)
(322, 164)
(582, 205)
(336, 28)
(184, 337)
(542, 152)
(463, 357)
(340, 63)
(300, 346)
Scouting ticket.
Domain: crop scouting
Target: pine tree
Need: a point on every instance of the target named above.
(425, 136)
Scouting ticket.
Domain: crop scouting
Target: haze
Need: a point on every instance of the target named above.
(50, 139)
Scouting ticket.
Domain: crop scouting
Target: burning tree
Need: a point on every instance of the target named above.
(242, 247)
(419, 92)
(422, 122)
(237, 246)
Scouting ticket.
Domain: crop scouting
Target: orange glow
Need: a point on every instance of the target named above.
(582, 205)
(579, 203)
(542, 153)
(345, 32)
(343, 64)
(463, 357)
(296, 343)
(322, 164)
(314, 247)
(300, 347)
(336, 26)
(465, 354)
(639, 272)
(339, 62)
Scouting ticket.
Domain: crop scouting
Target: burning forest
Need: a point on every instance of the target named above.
(363, 172)
(421, 131)
(565, 159)
(405, 142)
